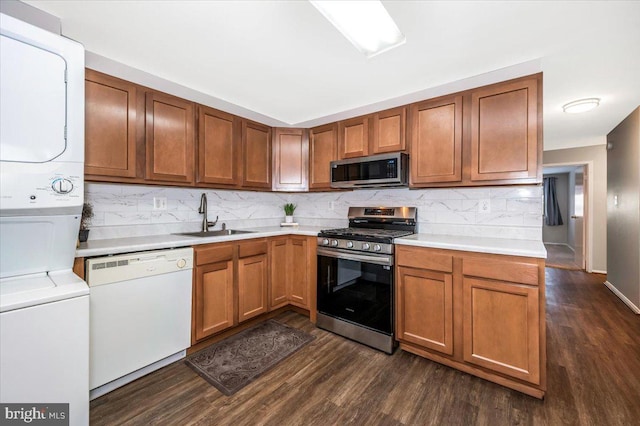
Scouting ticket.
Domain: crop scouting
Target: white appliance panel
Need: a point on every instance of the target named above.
(33, 105)
(44, 356)
(45, 188)
(142, 315)
(73, 54)
(37, 244)
(37, 289)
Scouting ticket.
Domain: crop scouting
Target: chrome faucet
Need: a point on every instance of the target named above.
(203, 210)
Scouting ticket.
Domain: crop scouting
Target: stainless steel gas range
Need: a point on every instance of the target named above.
(355, 274)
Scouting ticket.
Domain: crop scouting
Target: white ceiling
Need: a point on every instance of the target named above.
(284, 62)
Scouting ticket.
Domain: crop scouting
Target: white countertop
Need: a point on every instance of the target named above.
(511, 247)
(153, 242)
(527, 248)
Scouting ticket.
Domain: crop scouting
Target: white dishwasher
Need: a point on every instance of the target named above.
(140, 314)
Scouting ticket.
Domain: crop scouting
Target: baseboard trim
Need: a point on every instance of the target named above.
(622, 297)
(595, 271)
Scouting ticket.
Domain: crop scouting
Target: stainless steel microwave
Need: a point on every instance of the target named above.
(374, 171)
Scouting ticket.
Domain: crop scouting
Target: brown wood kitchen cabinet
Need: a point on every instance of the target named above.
(506, 141)
(491, 135)
(256, 155)
(389, 131)
(378, 133)
(213, 290)
(218, 147)
(503, 317)
(238, 281)
(279, 262)
(323, 149)
(252, 275)
(170, 127)
(353, 137)
(111, 117)
(436, 146)
(290, 259)
(424, 298)
(230, 285)
(480, 313)
(290, 159)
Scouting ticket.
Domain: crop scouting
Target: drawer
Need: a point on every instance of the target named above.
(504, 270)
(423, 258)
(252, 248)
(213, 253)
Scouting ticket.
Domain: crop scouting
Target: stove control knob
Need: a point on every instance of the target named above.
(349, 244)
(334, 243)
(325, 242)
(365, 246)
(377, 247)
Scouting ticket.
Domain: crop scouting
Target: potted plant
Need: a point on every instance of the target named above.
(85, 221)
(289, 208)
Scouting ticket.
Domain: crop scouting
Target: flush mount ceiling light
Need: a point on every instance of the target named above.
(366, 24)
(581, 105)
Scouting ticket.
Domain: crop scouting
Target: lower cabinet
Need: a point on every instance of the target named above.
(237, 281)
(213, 293)
(479, 313)
(252, 280)
(425, 309)
(230, 285)
(290, 281)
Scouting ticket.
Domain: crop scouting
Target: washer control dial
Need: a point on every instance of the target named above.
(62, 186)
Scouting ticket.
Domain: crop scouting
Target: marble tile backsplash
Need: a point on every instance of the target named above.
(127, 210)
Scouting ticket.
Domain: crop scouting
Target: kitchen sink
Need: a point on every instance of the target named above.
(217, 233)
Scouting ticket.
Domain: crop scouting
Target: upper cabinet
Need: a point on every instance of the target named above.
(504, 132)
(290, 160)
(353, 137)
(389, 131)
(110, 126)
(486, 136)
(169, 123)
(436, 145)
(218, 147)
(378, 133)
(323, 148)
(490, 135)
(256, 155)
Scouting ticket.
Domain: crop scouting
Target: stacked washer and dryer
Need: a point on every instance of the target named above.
(44, 307)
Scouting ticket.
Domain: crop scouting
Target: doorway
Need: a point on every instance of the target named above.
(566, 237)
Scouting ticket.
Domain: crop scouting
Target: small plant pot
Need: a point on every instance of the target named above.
(83, 235)
(288, 219)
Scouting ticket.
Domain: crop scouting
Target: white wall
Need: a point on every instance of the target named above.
(127, 210)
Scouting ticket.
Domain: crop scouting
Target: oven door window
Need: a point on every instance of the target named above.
(356, 291)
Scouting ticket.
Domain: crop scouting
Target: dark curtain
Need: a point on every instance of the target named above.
(552, 216)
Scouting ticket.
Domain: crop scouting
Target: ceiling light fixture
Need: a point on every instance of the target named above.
(581, 105)
(366, 24)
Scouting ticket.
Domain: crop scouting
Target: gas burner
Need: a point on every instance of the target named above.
(375, 225)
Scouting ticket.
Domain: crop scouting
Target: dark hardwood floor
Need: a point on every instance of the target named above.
(561, 256)
(593, 346)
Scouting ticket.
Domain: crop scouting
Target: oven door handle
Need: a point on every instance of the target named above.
(386, 260)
